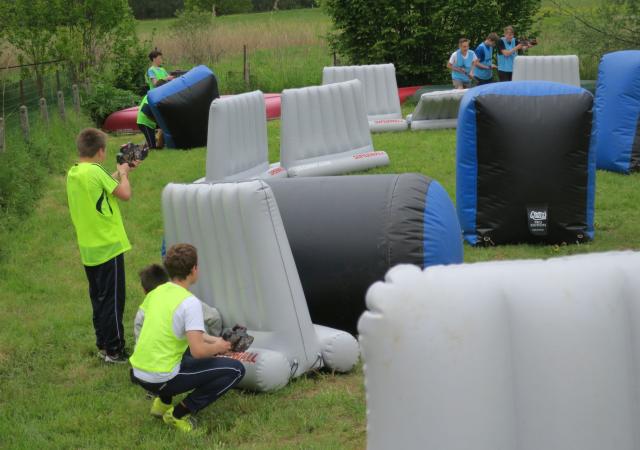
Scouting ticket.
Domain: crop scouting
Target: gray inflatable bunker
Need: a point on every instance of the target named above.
(346, 232)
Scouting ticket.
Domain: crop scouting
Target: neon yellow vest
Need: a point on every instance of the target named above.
(95, 214)
(160, 74)
(142, 117)
(158, 349)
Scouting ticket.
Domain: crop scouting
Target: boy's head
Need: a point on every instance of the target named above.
(463, 43)
(155, 57)
(492, 39)
(91, 142)
(508, 32)
(153, 276)
(181, 261)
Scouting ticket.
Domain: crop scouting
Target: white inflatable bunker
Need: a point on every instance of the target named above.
(525, 355)
(324, 131)
(247, 272)
(237, 146)
(559, 68)
(380, 93)
(437, 109)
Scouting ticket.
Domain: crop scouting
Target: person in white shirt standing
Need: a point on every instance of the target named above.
(461, 63)
(173, 323)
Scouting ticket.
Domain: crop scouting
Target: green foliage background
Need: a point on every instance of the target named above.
(416, 34)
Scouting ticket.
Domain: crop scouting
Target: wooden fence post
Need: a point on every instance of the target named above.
(335, 59)
(245, 67)
(61, 105)
(24, 121)
(76, 98)
(2, 145)
(44, 111)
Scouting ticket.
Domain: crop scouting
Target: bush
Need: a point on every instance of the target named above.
(129, 60)
(104, 99)
(224, 7)
(154, 9)
(418, 36)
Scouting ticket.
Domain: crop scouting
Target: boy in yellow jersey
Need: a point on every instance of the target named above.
(172, 325)
(92, 193)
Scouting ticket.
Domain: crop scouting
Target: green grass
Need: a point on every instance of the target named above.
(54, 393)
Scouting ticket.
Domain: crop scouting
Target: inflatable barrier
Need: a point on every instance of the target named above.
(437, 109)
(124, 121)
(248, 274)
(616, 126)
(559, 68)
(524, 169)
(324, 131)
(237, 147)
(524, 355)
(346, 232)
(181, 107)
(380, 91)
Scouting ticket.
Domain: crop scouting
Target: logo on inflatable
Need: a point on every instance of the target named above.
(368, 155)
(538, 215)
(248, 357)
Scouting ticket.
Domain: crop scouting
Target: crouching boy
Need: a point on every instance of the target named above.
(172, 324)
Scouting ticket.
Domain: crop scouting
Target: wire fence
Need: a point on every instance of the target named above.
(25, 99)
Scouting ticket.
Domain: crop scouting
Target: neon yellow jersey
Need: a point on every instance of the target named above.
(95, 214)
(158, 349)
(159, 73)
(142, 118)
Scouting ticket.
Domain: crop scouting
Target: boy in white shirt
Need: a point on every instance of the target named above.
(462, 63)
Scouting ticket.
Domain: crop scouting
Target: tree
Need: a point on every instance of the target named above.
(605, 27)
(419, 35)
(30, 26)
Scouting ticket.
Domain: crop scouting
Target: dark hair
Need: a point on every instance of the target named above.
(89, 141)
(153, 276)
(493, 37)
(180, 260)
(154, 54)
(462, 41)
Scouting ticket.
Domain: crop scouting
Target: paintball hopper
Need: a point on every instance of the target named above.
(238, 337)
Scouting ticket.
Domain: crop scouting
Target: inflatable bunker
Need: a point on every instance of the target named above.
(559, 68)
(237, 147)
(324, 131)
(380, 92)
(525, 355)
(181, 107)
(346, 232)
(616, 127)
(437, 109)
(247, 272)
(524, 169)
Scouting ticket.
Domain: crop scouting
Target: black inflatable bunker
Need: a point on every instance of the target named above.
(181, 107)
(346, 232)
(525, 172)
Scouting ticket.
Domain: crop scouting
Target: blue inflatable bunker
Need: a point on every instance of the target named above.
(346, 232)
(524, 169)
(181, 107)
(616, 128)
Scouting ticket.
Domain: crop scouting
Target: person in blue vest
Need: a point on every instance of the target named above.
(461, 63)
(508, 47)
(484, 64)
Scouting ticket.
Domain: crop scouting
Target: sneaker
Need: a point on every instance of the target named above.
(186, 424)
(118, 358)
(158, 407)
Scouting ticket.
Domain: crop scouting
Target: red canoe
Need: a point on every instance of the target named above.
(124, 121)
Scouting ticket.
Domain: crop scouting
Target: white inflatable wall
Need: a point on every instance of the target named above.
(324, 131)
(237, 140)
(380, 92)
(437, 109)
(247, 272)
(525, 355)
(559, 68)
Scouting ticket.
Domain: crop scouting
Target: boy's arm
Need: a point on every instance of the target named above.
(137, 324)
(201, 348)
(123, 190)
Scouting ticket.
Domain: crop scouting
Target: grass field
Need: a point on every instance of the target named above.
(55, 394)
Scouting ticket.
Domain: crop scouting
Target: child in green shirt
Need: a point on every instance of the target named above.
(92, 195)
